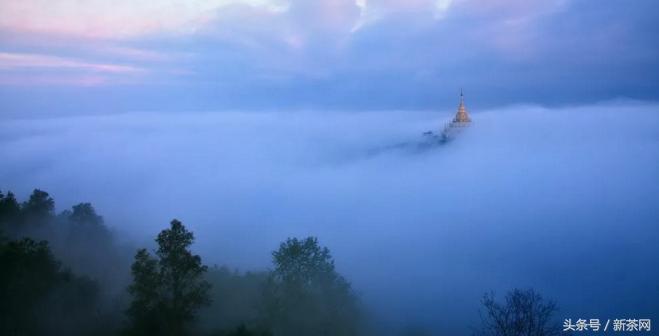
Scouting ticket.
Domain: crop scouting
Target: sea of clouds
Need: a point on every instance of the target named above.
(564, 200)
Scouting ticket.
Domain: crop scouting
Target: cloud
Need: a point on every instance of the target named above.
(37, 69)
(526, 197)
(348, 54)
(12, 61)
(51, 80)
(136, 54)
(128, 19)
(112, 19)
(372, 11)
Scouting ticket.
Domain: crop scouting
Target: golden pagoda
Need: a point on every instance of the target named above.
(462, 117)
(459, 122)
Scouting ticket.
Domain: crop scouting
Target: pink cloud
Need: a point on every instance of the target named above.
(112, 18)
(48, 80)
(38, 69)
(12, 61)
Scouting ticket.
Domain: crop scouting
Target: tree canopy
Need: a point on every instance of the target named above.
(306, 296)
(169, 288)
(38, 296)
(523, 313)
(39, 206)
(9, 209)
(64, 286)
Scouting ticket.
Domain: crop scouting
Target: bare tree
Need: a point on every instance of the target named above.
(524, 313)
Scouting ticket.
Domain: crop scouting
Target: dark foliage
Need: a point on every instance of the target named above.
(171, 291)
(524, 313)
(243, 330)
(168, 289)
(306, 296)
(38, 297)
(39, 208)
(78, 239)
(237, 298)
(9, 211)
(85, 242)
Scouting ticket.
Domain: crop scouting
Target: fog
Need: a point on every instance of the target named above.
(564, 200)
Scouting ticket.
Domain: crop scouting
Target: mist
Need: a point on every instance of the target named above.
(563, 200)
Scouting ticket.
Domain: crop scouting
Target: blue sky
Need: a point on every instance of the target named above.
(99, 56)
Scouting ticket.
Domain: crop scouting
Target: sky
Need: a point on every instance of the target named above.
(99, 56)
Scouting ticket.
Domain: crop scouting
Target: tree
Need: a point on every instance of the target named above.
(524, 313)
(242, 330)
(38, 297)
(86, 243)
(169, 288)
(29, 272)
(39, 205)
(237, 299)
(9, 209)
(85, 214)
(306, 296)
(146, 291)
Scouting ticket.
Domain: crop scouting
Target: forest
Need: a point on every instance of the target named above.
(67, 274)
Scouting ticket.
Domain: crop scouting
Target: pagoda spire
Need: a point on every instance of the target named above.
(462, 116)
